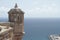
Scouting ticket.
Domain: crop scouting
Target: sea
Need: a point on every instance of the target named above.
(39, 28)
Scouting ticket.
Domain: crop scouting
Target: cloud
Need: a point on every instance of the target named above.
(35, 2)
(51, 10)
(3, 11)
(37, 8)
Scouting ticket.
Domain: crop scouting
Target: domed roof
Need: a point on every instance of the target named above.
(15, 9)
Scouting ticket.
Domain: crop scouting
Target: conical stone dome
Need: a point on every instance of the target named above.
(15, 10)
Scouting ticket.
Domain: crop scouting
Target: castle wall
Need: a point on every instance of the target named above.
(6, 33)
(5, 23)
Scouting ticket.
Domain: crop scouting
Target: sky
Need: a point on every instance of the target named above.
(32, 8)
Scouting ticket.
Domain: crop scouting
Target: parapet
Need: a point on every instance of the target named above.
(5, 23)
(6, 33)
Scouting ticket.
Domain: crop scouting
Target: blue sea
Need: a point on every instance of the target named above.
(39, 28)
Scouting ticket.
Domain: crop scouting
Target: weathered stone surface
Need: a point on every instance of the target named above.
(16, 19)
(14, 29)
(6, 33)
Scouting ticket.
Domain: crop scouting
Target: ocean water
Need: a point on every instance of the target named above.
(39, 28)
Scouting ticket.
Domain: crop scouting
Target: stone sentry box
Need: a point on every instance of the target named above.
(16, 19)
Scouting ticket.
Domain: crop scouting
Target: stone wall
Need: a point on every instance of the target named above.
(6, 33)
(5, 23)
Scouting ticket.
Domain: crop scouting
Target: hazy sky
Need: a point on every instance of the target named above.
(32, 8)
